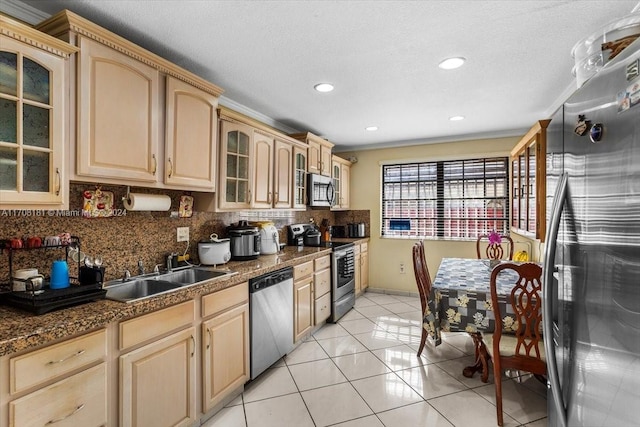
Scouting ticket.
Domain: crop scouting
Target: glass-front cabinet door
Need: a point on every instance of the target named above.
(32, 125)
(235, 161)
(528, 187)
(336, 177)
(299, 177)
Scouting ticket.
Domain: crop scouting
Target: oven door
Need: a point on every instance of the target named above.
(320, 191)
(343, 271)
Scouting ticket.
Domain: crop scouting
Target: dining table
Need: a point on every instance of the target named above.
(460, 301)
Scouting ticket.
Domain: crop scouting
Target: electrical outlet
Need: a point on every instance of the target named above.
(402, 270)
(183, 234)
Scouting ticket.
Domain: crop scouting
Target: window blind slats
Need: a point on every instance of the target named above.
(450, 199)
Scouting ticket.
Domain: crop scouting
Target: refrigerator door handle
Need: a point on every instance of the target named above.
(547, 314)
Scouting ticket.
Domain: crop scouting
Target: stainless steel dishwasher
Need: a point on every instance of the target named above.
(271, 314)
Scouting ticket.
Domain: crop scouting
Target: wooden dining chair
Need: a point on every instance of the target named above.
(516, 342)
(485, 250)
(423, 281)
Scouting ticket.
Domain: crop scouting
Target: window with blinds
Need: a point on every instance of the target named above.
(452, 200)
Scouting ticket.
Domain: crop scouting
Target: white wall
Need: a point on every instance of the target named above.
(386, 255)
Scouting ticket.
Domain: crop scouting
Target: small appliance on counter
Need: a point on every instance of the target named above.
(214, 251)
(356, 229)
(245, 241)
(295, 234)
(306, 235)
(338, 231)
(312, 236)
(269, 237)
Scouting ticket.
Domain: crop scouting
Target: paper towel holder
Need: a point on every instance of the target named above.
(126, 196)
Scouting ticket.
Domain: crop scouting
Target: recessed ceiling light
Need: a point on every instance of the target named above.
(371, 128)
(323, 87)
(456, 118)
(452, 63)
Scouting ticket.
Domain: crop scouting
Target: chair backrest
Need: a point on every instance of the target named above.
(526, 304)
(485, 250)
(421, 271)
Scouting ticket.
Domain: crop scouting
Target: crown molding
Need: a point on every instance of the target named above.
(22, 11)
(235, 106)
(509, 133)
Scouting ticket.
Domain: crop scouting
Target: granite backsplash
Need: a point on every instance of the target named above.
(125, 239)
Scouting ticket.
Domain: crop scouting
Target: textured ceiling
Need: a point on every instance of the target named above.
(382, 57)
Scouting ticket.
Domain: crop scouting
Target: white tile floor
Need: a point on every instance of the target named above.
(364, 372)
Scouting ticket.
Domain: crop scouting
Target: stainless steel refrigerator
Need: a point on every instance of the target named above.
(592, 258)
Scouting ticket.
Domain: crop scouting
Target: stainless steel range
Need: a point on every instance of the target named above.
(343, 289)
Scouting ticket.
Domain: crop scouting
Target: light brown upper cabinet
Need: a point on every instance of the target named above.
(528, 188)
(118, 115)
(130, 127)
(273, 177)
(191, 139)
(257, 167)
(341, 169)
(283, 174)
(263, 168)
(33, 126)
(299, 177)
(319, 153)
(235, 163)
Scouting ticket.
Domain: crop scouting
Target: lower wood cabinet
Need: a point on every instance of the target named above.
(323, 308)
(158, 383)
(361, 258)
(364, 266)
(303, 299)
(322, 288)
(303, 304)
(225, 345)
(79, 400)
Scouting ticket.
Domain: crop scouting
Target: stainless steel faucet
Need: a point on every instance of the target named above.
(140, 267)
(127, 275)
(169, 262)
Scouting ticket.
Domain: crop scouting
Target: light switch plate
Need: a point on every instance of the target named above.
(183, 234)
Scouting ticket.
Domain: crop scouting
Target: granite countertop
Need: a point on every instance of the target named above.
(350, 239)
(20, 330)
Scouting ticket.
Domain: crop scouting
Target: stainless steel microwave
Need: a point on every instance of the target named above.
(320, 191)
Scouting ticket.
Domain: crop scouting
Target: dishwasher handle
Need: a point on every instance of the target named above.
(270, 279)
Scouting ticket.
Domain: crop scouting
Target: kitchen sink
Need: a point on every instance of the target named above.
(192, 275)
(134, 290)
(148, 286)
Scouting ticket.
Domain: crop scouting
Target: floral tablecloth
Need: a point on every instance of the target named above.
(460, 298)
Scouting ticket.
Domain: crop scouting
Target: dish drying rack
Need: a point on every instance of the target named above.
(46, 299)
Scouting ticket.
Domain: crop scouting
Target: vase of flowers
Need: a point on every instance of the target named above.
(494, 250)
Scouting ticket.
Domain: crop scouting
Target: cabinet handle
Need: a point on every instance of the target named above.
(57, 420)
(155, 164)
(269, 197)
(277, 198)
(76, 354)
(210, 338)
(193, 350)
(59, 182)
(170, 167)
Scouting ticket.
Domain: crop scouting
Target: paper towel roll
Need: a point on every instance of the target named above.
(147, 202)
